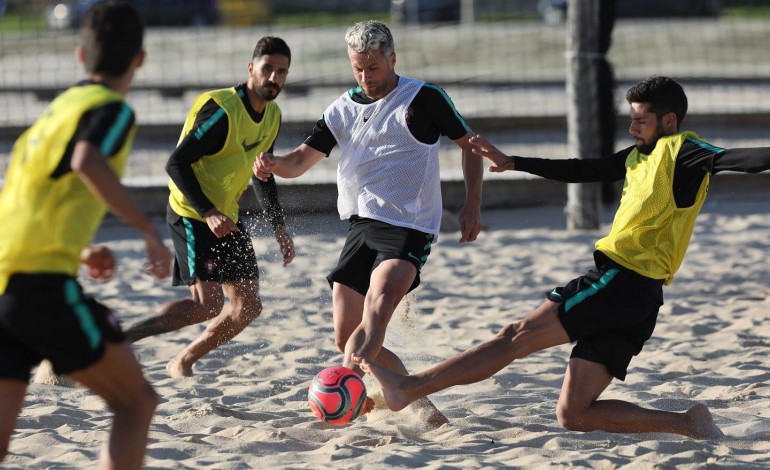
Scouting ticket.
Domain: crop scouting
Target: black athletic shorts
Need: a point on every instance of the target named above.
(47, 316)
(611, 312)
(199, 254)
(369, 243)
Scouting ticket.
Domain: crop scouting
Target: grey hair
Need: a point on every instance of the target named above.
(367, 36)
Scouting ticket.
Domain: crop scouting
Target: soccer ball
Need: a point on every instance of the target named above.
(337, 395)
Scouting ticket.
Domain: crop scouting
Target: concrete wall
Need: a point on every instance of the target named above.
(522, 191)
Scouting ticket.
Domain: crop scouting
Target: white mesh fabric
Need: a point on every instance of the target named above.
(384, 173)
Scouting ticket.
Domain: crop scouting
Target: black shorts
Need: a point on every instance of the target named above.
(611, 312)
(199, 254)
(47, 316)
(369, 243)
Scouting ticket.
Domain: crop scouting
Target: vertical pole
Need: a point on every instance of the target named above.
(587, 88)
(467, 12)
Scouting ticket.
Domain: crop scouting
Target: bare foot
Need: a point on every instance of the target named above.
(704, 426)
(177, 370)
(390, 383)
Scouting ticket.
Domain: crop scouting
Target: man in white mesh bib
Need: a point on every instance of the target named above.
(388, 129)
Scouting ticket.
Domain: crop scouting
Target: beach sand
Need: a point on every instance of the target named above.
(246, 406)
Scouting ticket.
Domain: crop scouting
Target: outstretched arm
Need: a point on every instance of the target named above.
(484, 148)
(290, 165)
(571, 170)
(745, 160)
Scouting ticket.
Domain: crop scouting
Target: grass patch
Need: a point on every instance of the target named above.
(746, 12)
(16, 22)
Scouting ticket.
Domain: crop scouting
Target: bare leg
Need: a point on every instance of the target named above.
(579, 408)
(118, 379)
(541, 329)
(11, 401)
(350, 309)
(390, 282)
(205, 303)
(245, 306)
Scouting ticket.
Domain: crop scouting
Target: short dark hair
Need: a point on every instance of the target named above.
(111, 34)
(663, 94)
(271, 45)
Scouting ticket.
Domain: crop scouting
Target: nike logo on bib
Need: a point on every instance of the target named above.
(247, 147)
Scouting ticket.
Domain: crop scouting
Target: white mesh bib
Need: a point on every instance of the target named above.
(384, 173)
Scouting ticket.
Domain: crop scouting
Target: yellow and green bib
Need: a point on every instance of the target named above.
(225, 175)
(650, 234)
(49, 220)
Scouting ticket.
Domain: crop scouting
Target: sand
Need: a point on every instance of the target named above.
(246, 406)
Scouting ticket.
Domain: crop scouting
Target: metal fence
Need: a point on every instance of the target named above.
(504, 75)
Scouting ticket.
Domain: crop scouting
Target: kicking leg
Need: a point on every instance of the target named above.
(579, 408)
(541, 329)
(118, 379)
(348, 308)
(350, 319)
(390, 281)
(245, 306)
(206, 302)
